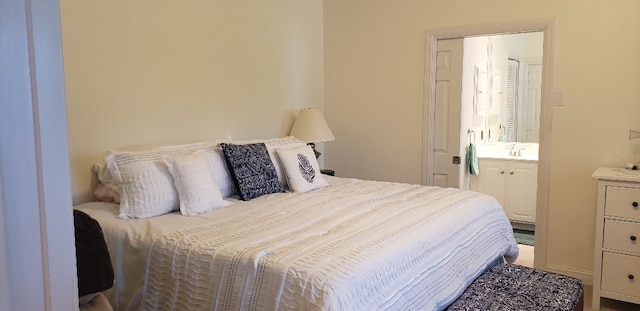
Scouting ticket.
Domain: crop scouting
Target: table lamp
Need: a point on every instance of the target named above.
(311, 127)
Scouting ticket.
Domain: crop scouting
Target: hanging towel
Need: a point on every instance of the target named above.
(472, 159)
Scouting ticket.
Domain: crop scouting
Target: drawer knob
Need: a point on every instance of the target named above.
(635, 204)
(630, 276)
(501, 172)
(512, 172)
(633, 238)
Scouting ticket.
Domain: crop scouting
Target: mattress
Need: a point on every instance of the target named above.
(355, 245)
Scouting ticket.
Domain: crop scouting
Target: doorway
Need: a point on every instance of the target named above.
(504, 111)
(547, 27)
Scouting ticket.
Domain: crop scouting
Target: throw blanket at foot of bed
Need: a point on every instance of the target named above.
(514, 287)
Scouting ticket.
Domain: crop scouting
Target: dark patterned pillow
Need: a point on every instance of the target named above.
(252, 170)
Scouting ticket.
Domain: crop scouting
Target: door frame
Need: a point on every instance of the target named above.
(35, 187)
(548, 27)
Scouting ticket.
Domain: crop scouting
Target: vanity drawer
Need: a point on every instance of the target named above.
(622, 235)
(622, 202)
(621, 274)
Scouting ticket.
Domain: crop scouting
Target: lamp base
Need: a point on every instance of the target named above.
(313, 146)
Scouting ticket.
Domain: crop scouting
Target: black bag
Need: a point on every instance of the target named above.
(95, 272)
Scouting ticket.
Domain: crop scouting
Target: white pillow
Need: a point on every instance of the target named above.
(213, 151)
(145, 184)
(196, 186)
(272, 144)
(302, 169)
(143, 180)
(104, 176)
(281, 141)
(221, 173)
(216, 160)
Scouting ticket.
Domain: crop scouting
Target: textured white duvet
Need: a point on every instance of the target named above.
(356, 245)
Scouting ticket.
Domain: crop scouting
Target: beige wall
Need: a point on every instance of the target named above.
(149, 72)
(374, 75)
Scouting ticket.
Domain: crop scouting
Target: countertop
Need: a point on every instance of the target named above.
(500, 151)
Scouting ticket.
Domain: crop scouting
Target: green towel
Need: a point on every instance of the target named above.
(472, 159)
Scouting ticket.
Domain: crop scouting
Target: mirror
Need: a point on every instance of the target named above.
(508, 88)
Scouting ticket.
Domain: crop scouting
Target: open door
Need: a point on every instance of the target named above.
(448, 88)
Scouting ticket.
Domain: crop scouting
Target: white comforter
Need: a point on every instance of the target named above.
(356, 245)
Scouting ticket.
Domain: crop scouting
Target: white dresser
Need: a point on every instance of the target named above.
(616, 272)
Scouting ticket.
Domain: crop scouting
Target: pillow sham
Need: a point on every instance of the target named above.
(213, 152)
(253, 171)
(302, 169)
(143, 180)
(197, 189)
(216, 160)
(104, 173)
(145, 184)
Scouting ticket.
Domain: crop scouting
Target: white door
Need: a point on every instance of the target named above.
(533, 91)
(446, 146)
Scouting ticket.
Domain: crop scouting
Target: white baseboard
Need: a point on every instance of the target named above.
(585, 276)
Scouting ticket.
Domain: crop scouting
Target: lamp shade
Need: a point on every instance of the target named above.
(311, 127)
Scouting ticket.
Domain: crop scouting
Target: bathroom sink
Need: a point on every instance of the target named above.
(527, 152)
(527, 157)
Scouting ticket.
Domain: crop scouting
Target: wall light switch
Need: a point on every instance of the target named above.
(558, 98)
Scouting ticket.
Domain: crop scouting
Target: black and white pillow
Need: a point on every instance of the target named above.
(252, 169)
(273, 144)
(302, 169)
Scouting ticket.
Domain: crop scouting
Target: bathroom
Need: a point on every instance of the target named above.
(501, 81)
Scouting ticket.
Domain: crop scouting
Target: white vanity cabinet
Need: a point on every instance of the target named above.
(513, 183)
(616, 272)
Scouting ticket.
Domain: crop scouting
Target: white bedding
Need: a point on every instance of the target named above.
(356, 245)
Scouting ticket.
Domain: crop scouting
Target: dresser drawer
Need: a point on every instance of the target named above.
(622, 202)
(622, 235)
(621, 274)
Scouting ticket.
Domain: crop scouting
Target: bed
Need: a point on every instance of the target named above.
(348, 245)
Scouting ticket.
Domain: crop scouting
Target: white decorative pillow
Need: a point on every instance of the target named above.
(221, 173)
(212, 150)
(197, 190)
(145, 184)
(104, 173)
(272, 144)
(302, 169)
